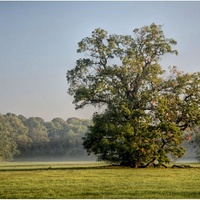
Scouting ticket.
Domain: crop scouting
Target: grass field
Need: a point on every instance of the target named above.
(95, 180)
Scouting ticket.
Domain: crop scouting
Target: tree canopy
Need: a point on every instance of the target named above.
(33, 138)
(147, 108)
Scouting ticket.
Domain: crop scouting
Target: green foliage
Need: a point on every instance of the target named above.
(33, 137)
(8, 146)
(19, 133)
(147, 109)
(37, 132)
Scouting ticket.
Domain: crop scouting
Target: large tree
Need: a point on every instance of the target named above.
(38, 134)
(8, 145)
(19, 133)
(146, 108)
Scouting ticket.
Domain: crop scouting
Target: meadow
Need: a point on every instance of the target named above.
(80, 180)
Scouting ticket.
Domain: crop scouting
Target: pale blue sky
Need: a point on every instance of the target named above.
(38, 42)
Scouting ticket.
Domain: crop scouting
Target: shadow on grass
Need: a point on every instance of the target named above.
(48, 168)
(54, 168)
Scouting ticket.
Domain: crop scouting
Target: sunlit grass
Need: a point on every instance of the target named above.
(85, 181)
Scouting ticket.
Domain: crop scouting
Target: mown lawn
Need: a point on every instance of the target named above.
(90, 181)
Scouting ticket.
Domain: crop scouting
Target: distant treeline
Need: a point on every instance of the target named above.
(22, 137)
